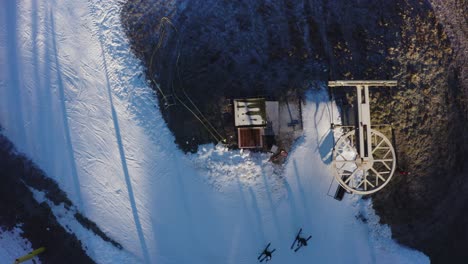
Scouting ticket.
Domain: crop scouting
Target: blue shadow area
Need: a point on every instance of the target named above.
(14, 79)
(325, 147)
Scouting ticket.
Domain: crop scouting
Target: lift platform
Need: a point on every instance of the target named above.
(364, 159)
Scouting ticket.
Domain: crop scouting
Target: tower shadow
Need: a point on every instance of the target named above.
(123, 160)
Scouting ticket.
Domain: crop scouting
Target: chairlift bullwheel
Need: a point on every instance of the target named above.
(363, 176)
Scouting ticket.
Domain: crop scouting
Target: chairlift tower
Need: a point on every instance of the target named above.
(364, 159)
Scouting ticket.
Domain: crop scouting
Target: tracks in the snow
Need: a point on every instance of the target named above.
(98, 30)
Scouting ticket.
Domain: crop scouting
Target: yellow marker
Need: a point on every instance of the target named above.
(30, 255)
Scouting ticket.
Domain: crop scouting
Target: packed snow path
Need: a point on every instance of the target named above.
(73, 99)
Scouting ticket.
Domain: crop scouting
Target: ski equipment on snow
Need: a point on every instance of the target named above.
(266, 254)
(295, 240)
(300, 241)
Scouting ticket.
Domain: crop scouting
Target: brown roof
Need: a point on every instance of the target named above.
(250, 137)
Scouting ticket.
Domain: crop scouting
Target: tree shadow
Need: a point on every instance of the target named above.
(258, 215)
(69, 144)
(182, 192)
(291, 199)
(43, 120)
(272, 205)
(256, 224)
(303, 197)
(12, 99)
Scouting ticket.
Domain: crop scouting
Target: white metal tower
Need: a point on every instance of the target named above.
(364, 159)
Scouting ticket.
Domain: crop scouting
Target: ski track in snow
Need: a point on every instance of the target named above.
(74, 99)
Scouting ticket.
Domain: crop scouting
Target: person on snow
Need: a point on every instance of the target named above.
(301, 241)
(267, 254)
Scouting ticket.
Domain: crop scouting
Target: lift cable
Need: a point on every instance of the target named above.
(195, 106)
(205, 120)
(200, 117)
(162, 34)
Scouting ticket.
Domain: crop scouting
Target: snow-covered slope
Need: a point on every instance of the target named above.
(73, 98)
(12, 245)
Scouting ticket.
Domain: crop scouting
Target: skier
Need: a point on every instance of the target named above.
(266, 254)
(299, 241)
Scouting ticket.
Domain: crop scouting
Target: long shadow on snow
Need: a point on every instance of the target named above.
(256, 225)
(13, 98)
(324, 142)
(70, 151)
(187, 209)
(128, 181)
(303, 196)
(325, 147)
(292, 203)
(46, 102)
(272, 205)
(42, 122)
(258, 215)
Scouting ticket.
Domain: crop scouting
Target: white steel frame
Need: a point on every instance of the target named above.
(369, 167)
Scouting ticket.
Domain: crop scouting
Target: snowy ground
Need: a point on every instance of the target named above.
(73, 98)
(13, 246)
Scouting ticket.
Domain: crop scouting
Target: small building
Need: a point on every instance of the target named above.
(250, 121)
(262, 124)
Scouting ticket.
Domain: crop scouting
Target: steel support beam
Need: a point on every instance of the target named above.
(380, 83)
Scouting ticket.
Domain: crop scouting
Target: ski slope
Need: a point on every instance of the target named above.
(74, 99)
